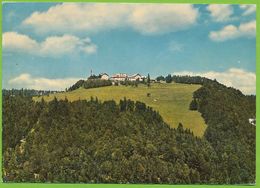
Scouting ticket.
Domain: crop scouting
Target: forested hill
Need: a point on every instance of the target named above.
(227, 112)
(105, 142)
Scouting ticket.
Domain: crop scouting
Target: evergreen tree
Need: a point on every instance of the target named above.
(168, 78)
(160, 78)
(148, 80)
(193, 105)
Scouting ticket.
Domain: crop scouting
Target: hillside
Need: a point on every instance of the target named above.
(227, 112)
(128, 142)
(171, 100)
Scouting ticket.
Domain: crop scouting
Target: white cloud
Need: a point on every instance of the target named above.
(231, 32)
(150, 19)
(18, 42)
(53, 46)
(56, 46)
(220, 13)
(248, 9)
(234, 77)
(39, 83)
(144, 18)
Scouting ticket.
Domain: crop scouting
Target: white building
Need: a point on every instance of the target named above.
(119, 77)
(135, 77)
(104, 76)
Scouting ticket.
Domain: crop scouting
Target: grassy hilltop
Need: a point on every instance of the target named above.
(171, 100)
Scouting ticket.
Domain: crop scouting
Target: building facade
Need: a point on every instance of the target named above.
(135, 77)
(119, 77)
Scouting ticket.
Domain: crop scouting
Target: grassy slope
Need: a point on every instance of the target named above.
(171, 100)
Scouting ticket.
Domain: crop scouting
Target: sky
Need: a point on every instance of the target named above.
(52, 45)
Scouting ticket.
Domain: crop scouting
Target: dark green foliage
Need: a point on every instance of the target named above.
(128, 83)
(126, 105)
(226, 112)
(190, 79)
(94, 77)
(94, 142)
(185, 79)
(160, 78)
(90, 83)
(148, 80)
(168, 78)
(193, 105)
(24, 114)
(26, 92)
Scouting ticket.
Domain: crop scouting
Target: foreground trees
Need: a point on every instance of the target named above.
(90, 141)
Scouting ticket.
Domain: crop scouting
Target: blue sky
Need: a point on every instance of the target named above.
(50, 45)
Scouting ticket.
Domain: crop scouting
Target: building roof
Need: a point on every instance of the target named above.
(101, 74)
(134, 75)
(120, 75)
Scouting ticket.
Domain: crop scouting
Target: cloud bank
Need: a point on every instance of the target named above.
(234, 77)
(40, 83)
(53, 46)
(248, 9)
(229, 32)
(148, 19)
(220, 13)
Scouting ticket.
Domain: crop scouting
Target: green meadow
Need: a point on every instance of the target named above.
(171, 100)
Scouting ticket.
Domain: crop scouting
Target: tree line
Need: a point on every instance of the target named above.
(184, 79)
(27, 92)
(90, 83)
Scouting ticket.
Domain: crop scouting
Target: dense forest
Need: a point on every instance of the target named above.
(104, 142)
(227, 112)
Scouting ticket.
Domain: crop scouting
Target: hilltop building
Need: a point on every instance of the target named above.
(119, 77)
(104, 76)
(136, 77)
